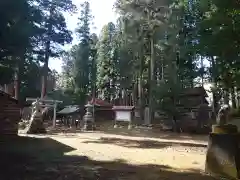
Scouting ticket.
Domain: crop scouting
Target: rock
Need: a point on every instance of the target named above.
(222, 155)
(36, 125)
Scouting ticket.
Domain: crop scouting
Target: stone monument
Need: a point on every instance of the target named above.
(222, 157)
(146, 116)
(223, 115)
(89, 123)
(36, 122)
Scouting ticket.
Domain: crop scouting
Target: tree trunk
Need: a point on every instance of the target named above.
(120, 97)
(140, 88)
(226, 96)
(18, 75)
(134, 93)
(124, 97)
(233, 97)
(45, 72)
(47, 55)
(93, 81)
(17, 83)
(202, 73)
(174, 100)
(238, 97)
(176, 126)
(152, 82)
(214, 81)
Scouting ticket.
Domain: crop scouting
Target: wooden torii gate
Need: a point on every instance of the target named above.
(48, 103)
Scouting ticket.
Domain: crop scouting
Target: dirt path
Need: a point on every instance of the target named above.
(97, 156)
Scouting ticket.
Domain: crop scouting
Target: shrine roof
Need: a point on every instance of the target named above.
(196, 91)
(100, 102)
(69, 109)
(123, 107)
(4, 94)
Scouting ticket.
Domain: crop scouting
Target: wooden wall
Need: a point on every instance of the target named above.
(9, 115)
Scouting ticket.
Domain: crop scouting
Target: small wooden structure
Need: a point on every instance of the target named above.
(194, 109)
(10, 114)
(193, 97)
(123, 114)
(70, 115)
(102, 110)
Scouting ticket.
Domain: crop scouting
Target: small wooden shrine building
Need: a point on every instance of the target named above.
(102, 109)
(192, 98)
(194, 108)
(69, 115)
(10, 114)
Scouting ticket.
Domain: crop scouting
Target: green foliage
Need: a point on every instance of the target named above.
(218, 34)
(235, 113)
(106, 62)
(6, 74)
(17, 30)
(64, 96)
(66, 79)
(30, 32)
(30, 80)
(155, 49)
(53, 26)
(168, 97)
(78, 70)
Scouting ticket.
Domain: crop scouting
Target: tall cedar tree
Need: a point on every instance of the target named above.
(106, 62)
(82, 56)
(54, 32)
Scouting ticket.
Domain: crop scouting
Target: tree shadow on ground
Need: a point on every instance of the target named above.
(108, 128)
(145, 144)
(28, 158)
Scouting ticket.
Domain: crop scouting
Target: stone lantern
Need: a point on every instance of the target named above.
(88, 118)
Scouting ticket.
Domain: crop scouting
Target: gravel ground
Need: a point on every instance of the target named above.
(183, 154)
(99, 156)
(187, 154)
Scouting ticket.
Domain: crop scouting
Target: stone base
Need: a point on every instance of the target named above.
(36, 127)
(224, 129)
(222, 155)
(123, 124)
(89, 126)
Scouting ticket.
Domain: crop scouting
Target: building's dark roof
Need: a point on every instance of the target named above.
(42, 69)
(124, 108)
(69, 109)
(101, 103)
(196, 91)
(3, 94)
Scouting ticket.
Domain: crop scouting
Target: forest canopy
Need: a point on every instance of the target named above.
(153, 51)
